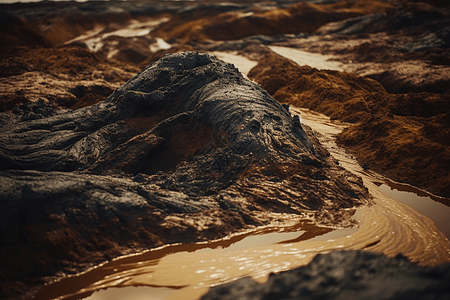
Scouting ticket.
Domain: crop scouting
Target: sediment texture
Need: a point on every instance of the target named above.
(345, 275)
(186, 150)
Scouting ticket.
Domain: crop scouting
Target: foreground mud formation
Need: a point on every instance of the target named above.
(344, 275)
(187, 150)
(75, 55)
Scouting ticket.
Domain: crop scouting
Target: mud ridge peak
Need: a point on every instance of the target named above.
(185, 151)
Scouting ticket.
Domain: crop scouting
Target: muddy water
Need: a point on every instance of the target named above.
(95, 38)
(314, 60)
(434, 207)
(188, 271)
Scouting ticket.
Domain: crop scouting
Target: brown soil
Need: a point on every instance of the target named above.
(68, 77)
(33, 65)
(301, 17)
(404, 136)
(405, 49)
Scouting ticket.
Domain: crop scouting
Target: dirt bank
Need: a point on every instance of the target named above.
(400, 135)
(405, 48)
(67, 77)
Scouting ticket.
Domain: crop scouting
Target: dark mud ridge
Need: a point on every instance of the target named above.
(345, 275)
(185, 151)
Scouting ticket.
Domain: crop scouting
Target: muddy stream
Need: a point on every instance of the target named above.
(403, 220)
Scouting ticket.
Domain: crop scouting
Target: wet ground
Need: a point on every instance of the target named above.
(188, 271)
(381, 66)
(71, 57)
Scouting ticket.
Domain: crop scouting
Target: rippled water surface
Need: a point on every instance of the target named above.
(436, 208)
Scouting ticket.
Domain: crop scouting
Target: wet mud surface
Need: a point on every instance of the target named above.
(95, 165)
(185, 151)
(341, 275)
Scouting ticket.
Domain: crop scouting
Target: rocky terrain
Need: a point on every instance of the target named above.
(344, 275)
(94, 165)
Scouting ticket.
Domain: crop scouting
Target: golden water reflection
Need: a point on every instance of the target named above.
(190, 270)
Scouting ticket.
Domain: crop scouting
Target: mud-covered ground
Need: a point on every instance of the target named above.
(59, 60)
(73, 55)
(344, 275)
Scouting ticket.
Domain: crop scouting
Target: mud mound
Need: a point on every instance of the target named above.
(187, 150)
(344, 274)
(67, 77)
(395, 133)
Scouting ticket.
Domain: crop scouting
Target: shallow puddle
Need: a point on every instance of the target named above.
(94, 39)
(188, 271)
(133, 293)
(314, 60)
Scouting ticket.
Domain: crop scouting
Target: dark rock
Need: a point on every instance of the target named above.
(187, 150)
(345, 275)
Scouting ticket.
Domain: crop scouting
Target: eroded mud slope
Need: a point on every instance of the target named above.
(187, 150)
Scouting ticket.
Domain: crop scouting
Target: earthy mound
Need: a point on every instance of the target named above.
(400, 135)
(186, 150)
(338, 94)
(344, 275)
